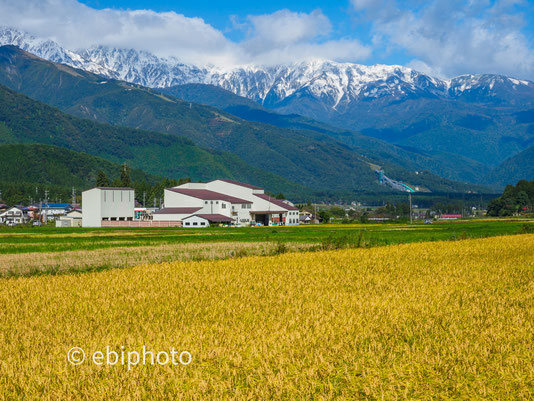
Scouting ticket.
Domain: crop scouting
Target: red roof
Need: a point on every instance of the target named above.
(206, 194)
(241, 184)
(116, 188)
(212, 217)
(178, 210)
(277, 202)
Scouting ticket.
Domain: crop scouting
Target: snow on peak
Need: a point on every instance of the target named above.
(334, 83)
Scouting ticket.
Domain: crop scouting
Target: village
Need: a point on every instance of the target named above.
(220, 202)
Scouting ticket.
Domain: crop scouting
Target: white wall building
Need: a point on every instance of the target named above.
(226, 202)
(13, 215)
(71, 219)
(107, 204)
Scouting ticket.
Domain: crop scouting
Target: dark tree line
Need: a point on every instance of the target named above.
(517, 199)
(147, 194)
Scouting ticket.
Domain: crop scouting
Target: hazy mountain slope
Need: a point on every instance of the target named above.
(518, 167)
(314, 162)
(26, 121)
(466, 121)
(445, 164)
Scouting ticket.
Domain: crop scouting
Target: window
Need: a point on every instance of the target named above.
(187, 223)
(206, 202)
(216, 202)
(223, 205)
(195, 223)
(211, 202)
(202, 223)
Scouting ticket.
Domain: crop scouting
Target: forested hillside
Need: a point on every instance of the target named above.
(312, 159)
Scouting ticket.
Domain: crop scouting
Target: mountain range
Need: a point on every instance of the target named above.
(174, 138)
(462, 128)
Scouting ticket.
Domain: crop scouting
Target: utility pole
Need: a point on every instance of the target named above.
(46, 203)
(410, 197)
(73, 196)
(144, 197)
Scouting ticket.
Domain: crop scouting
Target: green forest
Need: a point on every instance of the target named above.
(515, 200)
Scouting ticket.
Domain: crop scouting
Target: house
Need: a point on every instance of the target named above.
(224, 202)
(305, 218)
(52, 210)
(450, 216)
(13, 215)
(71, 219)
(204, 220)
(103, 205)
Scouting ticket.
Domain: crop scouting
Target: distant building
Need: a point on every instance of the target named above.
(71, 219)
(55, 209)
(13, 215)
(450, 216)
(102, 205)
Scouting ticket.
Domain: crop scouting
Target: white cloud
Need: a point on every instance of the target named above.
(283, 36)
(452, 37)
(286, 36)
(75, 25)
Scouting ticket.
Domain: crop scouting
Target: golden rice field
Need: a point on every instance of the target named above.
(440, 320)
(120, 257)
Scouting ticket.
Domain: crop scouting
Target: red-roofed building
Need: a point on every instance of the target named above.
(225, 202)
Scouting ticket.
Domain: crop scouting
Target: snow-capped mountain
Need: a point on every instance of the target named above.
(334, 85)
(50, 50)
(143, 68)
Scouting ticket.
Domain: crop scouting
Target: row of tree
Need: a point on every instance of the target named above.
(148, 194)
(515, 200)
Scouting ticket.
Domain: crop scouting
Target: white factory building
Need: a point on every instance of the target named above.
(224, 202)
(103, 205)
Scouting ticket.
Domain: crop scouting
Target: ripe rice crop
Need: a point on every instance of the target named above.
(439, 320)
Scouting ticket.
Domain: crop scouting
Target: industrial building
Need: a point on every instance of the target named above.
(218, 202)
(102, 205)
(224, 202)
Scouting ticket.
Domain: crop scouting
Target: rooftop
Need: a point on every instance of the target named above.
(277, 202)
(206, 194)
(178, 210)
(214, 218)
(115, 188)
(241, 184)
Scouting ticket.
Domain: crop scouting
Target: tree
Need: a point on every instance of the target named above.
(102, 179)
(125, 176)
(280, 195)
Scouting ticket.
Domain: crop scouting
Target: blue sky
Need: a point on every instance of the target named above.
(441, 37)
